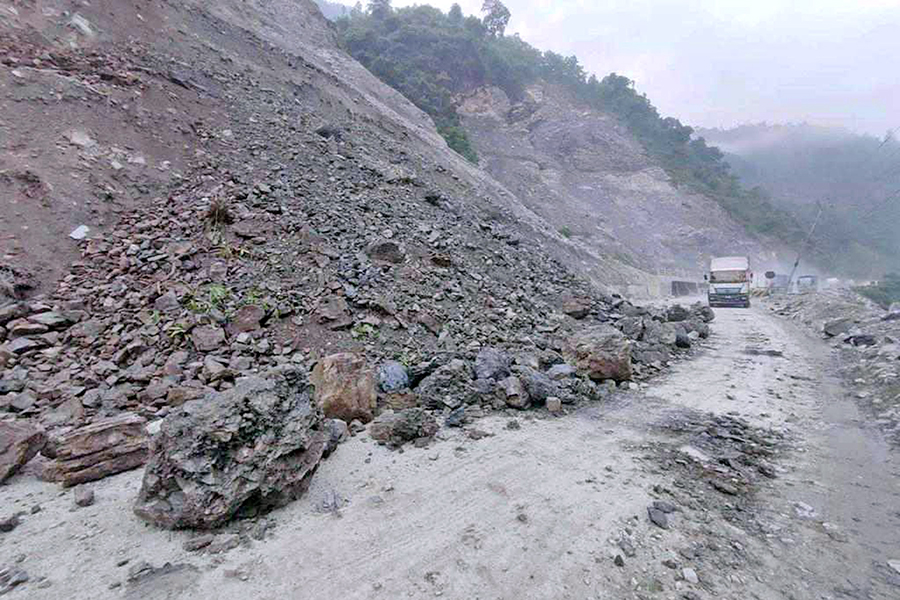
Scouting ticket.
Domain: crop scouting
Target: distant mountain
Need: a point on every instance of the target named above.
(856, 177)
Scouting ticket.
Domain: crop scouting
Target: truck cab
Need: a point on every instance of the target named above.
(729, 281)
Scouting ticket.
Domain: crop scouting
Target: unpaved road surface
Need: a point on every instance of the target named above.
(779, 490)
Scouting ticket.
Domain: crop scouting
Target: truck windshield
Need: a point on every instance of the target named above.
(728, 276)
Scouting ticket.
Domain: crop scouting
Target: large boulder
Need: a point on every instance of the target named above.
(600, 352)
(98, 450)
(449, 386)
(491, 363)
(234, 453)
(345, 387)
(19, 442)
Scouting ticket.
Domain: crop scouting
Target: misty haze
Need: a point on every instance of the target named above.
(479, 299)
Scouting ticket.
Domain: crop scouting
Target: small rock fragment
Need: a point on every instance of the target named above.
(84, 496)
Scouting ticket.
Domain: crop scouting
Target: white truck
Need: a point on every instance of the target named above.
(729, 281)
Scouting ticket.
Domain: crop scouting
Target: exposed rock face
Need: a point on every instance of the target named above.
(600, 352)
(584, 173)
(345, 387)
(103, 448)
(251, 448)
(19, 442)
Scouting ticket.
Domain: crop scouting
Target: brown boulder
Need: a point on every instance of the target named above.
(98, 450)
(577, 308)
(248, 318)
(19, 442)
(600, 352)
(345, 387)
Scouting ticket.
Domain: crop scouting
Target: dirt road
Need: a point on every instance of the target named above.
(779, 490)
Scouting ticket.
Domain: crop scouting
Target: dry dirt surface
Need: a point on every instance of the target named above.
(760, 478)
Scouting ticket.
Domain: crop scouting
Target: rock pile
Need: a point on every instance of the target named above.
(867, 339)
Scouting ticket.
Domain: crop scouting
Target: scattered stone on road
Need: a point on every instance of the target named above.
(84, 496)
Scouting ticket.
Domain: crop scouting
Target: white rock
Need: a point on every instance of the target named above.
(690, 575)
(80, 232)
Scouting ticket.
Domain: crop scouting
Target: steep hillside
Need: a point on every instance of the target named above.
(252, 197)
(855, 177)
(459, 68)
(107, 110)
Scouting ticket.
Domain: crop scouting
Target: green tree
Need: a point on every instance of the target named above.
(455, 16)
(496, 17)
(380, 9)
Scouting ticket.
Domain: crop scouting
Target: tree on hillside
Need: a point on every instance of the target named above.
(496, 17)
(380, 9)
(455, 16)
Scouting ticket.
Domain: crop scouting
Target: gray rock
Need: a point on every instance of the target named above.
(456, 418)
(386, 251)
(12, 311)
(198, 543)
(392, 377)
(633, 327)
(561, 371)
(252, 448)
(682, 340)
(516, 394)
(539, 386)
(9, 523)
(166, 303)
(11, 386)
(406, 425)
(837, 327)
(449, 386)
(677, 313)
(25, 344)
(84, 496)
(703, 312)
(492, 364)
(338, 431)
(208, 338)
(658, 517)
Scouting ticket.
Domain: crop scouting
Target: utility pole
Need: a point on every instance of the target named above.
(803, 245)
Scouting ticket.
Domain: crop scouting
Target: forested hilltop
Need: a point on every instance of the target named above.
(433, 58)
(856, 178)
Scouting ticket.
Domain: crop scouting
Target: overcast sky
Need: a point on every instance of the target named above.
(726, 62)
